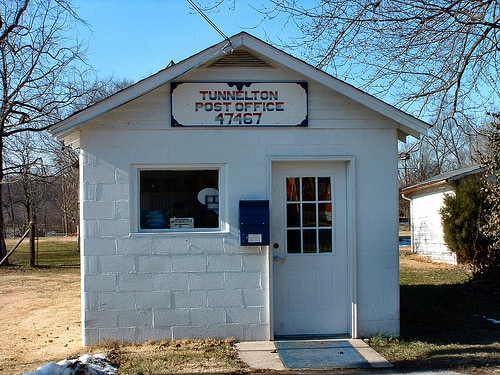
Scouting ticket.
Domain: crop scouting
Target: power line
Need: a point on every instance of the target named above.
(211, 23)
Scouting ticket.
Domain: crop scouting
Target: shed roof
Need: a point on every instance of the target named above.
(407, 124)
(443, 178)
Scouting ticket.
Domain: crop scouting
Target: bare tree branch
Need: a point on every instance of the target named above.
(42, 79)
(423, 55)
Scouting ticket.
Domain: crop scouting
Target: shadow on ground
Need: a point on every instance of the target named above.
(449, 325)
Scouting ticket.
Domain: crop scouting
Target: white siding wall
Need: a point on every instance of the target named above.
(139, 286)
(427, 229)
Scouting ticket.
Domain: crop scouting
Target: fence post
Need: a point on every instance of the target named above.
(32, 243)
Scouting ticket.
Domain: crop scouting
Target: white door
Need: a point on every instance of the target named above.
(309, 245)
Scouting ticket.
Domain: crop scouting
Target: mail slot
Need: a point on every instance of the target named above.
(254, 222)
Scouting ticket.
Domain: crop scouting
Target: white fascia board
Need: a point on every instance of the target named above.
(407, 123)
(68, 125)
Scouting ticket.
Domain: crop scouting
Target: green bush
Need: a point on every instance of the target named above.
(463, 215)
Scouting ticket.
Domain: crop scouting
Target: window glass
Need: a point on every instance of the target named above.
(293, 241)
(309, 215)
(179, 199)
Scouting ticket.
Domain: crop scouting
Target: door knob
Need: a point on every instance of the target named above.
(276, 245)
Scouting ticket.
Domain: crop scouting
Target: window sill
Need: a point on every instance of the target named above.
(179, 233)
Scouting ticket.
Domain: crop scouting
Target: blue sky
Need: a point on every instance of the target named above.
(133, 39)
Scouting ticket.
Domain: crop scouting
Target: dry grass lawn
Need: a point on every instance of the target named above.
(40, 322)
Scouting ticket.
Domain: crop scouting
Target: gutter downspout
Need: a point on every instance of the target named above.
(405, 198)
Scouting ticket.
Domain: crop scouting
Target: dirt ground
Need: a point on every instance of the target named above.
(40, 316)
(420, 262)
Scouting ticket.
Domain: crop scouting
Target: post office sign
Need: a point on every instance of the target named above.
(234, 104)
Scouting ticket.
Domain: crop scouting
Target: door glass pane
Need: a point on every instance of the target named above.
(309, 241)
(293, 241)
(292, 215)
(325, 241)
(308, 188)
(309, 215)
(325, 214)
(324, 189)
(309, 222)
(292, 189)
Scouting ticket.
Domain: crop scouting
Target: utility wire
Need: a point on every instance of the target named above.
(211, 23)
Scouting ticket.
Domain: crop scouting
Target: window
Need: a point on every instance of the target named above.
(309, 226)
(179, 199)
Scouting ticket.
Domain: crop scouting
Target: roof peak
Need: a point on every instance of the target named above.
(252, 53)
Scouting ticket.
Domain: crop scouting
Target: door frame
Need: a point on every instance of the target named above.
(350, 165)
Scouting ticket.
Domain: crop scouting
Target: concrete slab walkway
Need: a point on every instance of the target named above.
(264, 355)
(260, 355)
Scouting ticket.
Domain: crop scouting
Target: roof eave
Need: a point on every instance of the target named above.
(413, 189)
(442, 179)
(407, 124)
(68, 125)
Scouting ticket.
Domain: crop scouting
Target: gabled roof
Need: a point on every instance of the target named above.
(443, 178)
(407, 124)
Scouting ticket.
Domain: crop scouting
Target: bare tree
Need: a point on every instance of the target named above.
(35, 186)
(436, 59)
(101, 89)
(40, 70)
(490, 161)
(24, 160)
(450, 144)
(41, 175)
(63, 190)
(432, 54)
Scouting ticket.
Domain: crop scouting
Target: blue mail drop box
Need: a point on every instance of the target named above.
(254, 222)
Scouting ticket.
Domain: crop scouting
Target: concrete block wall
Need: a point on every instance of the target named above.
(377, 236)
(144, 288)
(140, 286)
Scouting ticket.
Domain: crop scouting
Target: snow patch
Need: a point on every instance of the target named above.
(96, 364)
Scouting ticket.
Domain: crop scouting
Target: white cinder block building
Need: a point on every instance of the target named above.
(239, 193)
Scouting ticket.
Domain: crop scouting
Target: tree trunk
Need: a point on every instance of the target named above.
(3, 246)
(32, 243)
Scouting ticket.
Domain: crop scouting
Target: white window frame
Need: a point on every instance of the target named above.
(135, 209)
